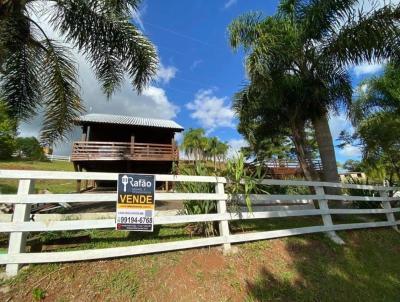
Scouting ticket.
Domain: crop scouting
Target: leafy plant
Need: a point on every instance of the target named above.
(38, 294)
(195, 207)
(29, 148)
(7, 133)
(242, 182)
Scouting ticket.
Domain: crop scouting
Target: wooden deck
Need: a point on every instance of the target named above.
(91, 150)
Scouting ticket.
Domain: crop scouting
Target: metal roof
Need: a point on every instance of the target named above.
(128, 120)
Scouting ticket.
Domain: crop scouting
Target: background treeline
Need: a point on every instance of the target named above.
(13, 146)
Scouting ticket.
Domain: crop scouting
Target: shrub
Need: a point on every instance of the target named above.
(7, 133)
(195, 207)
(38, 294)
(30, 148)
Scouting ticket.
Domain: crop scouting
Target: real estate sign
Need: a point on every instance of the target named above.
(135, 204)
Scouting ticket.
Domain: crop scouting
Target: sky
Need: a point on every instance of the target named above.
(198, 72)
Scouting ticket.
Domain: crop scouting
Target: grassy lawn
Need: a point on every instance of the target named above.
(54, 186)
(303, 268)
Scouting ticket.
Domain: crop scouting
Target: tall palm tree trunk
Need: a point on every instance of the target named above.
(326, 149)
(328, 158)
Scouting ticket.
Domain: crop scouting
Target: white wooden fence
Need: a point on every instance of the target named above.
(53, 157)
(20, 224)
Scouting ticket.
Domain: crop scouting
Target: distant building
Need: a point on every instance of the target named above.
(116, 143)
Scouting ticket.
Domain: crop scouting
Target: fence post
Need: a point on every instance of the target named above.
(21, 213)
(386, 205)
(223, 224)
(327, 218)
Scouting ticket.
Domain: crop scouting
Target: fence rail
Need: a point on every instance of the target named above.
(53, 157)
(21, 224)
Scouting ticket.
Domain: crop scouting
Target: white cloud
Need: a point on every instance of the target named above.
(350, 151)
(229, 3)
(235, 145)
(366, 68)
(166, 73)
(211, 111)
(195, 64)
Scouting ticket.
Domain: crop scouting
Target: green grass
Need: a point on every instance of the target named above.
(54, 186)
(367, 268)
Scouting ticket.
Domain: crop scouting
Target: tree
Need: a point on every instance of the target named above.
(279, 118)
(352, 165)
(222, 151)
(309, 45)
(29, 148)
(194, 143)
(37, 72)
(7, 133)
(375, 116)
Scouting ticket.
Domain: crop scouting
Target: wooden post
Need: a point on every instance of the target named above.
(223, 224)
(132, 144)
(78, 181)
(327, 218)
(21, 213)
(84, 133)
(386, 205)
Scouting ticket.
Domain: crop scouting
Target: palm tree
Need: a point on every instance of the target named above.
(282, 116)
(315, 42)
(376, 119)
(212, 149)
(194, 143)
(222, 151)
(37, 72)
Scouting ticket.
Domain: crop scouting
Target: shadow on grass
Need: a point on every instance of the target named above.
(367, 268)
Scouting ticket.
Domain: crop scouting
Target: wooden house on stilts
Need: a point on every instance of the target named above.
(116, 143)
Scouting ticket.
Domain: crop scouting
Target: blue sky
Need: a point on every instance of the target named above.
(191, 37)
(198, 74)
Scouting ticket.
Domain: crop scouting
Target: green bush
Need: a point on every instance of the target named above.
(38, 294)
(196, 207)
(7, 133)
(29, 148)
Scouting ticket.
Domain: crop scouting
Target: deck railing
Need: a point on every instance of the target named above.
(19, 224)
(92, 150)
(287, 163)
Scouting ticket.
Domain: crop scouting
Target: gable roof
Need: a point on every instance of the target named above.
(128, 120)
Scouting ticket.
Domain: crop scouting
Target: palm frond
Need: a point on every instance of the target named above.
(372, 36)
(243, 31)
(62, 103)
(319, 17)
(110, 42)
(20, 80)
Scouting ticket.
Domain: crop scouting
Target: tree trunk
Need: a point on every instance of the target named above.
(328, 158)
(303, 155)
(326, 149)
